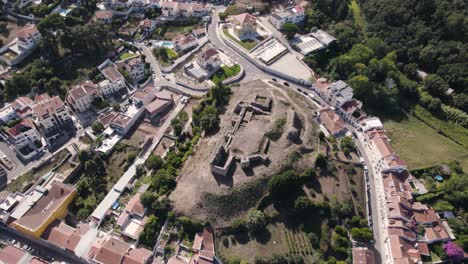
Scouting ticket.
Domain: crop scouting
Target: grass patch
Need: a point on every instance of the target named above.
(225, 72)
(453, 131)
(277, 131)
(246, 44)
(421, 146)
(171, 54)
(127, 55)
(173, 31)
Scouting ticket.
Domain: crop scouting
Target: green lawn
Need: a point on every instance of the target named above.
(225, 72)
(246, 44)
(171, 54)
(421, 146)
(127, 55)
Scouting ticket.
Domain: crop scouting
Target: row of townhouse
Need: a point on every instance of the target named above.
(169, 8)
(81, 96)
(401, 218)
(27, 39)
(175, 8)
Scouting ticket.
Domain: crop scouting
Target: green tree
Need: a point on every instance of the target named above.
(147, 199)
(321, 161)
(97, 127)
(290, 30)
(154, 162)
(363, 234)
(284, 184)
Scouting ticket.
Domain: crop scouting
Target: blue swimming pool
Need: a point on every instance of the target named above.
(167, 44)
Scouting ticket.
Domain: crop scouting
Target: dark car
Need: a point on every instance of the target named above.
(286, 83)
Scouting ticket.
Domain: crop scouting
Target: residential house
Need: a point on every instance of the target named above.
(199, 10)
(65, 236)
(209, 60)
(147, 26)
(163, 102)
(336, 94)
(114, 80)
(135, 67)
(50, 207)
(384, 158)
(25, 138)
(363, 255)
(7, 114)
(293, 15)
(50, 114)
(331, 122)
(104, 16)
(244, 24)
(113, 250)
(203, 249)
(170, 8)
(13, 255)
(81, 96)
(199, 32)
(23, 106)
(144, 96)
(25, 42)
(185, 9)
(185, 42)
(133, 219)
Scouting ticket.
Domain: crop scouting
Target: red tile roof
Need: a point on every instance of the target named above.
(136, 256)
(106, 118)
(64, 235)
(46, 105)
(134, 206)
(245, 18)
(121, 120)
(110, 251)
(27, 31)
(25, 125)
(184, 39)
(11, 255)
(362, 255)
(332, 122)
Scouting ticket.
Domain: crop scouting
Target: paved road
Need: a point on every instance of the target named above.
(44, 248)
(159, 80)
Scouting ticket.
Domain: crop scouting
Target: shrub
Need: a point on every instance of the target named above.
(255, 220)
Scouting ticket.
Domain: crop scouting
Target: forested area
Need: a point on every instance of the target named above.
(380, 46)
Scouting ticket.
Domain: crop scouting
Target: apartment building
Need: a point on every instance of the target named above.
(50, 113)
(81, 96)
(23, 134)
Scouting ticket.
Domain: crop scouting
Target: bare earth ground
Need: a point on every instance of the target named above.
(196, 179)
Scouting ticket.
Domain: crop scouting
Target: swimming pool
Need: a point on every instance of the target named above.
(167, 44)
(64, 12)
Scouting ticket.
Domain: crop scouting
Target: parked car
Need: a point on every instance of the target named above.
(286, 83)
(11, 240)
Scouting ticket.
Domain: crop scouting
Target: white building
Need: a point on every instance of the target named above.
(135, 67)
(293, 15)
(81, 96)
(185, 42)
(114, 80)
(50, 113)
(174, 8)
(147, 26)
(23, 134)
(26, 41)
(209, 59)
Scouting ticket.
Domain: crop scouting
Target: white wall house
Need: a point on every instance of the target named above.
(293, 15)
(114, 80)
(26, 41)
